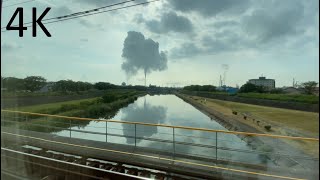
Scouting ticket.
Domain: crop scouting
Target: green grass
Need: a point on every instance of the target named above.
(301, 98)
(36, 94)
(298, 98)
(91, 107)
(300, 120)
(50, 108)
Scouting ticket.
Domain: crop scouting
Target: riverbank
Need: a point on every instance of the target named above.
(39, 99)
(222, 112)
(103, 107)
(308, 103)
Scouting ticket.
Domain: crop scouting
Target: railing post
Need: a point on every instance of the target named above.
(216, 145)
(26, 122)
(70, 127)
(106, 131)
(135, 135)
(174, 144)
(3, 118)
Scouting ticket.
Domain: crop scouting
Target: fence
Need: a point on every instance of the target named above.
(219, 145)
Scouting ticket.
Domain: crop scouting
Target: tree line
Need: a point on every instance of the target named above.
(307, 87)
(200, 88)
(30, 83)
(36, 83)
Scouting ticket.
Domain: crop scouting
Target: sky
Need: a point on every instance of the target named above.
(171, 42)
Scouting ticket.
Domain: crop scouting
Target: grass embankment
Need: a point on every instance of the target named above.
(282, 121)
(105, 106)
(36, 94)
(297, 98)
(301, 98)
(298, 120)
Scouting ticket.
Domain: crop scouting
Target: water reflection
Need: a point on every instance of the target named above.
(52, 125)
(146, 114)
(170, 110)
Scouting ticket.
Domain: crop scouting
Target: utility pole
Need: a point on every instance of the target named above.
(1, 12)
(293, 84)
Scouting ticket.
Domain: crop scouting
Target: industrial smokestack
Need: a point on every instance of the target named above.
(225, 68)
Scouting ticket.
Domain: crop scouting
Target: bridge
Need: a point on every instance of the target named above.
(32, 139)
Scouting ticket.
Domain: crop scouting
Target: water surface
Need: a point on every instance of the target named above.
(169, 110)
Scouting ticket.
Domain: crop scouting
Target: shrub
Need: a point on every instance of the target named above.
(68, 107)
(267, 127)
(244, 117)
(234, 112)
(258, 122)
(108, 98)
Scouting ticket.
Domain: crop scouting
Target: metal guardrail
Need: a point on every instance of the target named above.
(168, 126)
(158, 158)
(15, 115)
(168, 141)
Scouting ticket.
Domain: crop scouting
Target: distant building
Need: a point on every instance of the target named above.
(232, 90)
(228, 89)
(269, 84)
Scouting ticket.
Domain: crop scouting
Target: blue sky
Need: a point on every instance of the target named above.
(279, 39)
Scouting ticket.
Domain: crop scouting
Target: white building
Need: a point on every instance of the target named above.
(262, 81)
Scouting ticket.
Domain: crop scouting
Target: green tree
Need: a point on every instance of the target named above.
(34, 83)
(200, 88)
(309, 87)
(71, 86)
(104, 86)
(12, 83)
(249, 87)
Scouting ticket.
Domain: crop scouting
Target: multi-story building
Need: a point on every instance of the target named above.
(262, 81)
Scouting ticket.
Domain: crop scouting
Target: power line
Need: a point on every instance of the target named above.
(79, 13)
(125, 7)
(18, 3)
(59, 19)
(6, 0)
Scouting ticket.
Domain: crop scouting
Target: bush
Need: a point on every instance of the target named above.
(108, 98)
(234, 112)
(267, 127)
(68, 107)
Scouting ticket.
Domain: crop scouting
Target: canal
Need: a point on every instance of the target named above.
(169, 110)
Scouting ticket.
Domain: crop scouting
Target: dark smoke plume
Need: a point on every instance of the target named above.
(142, 54)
